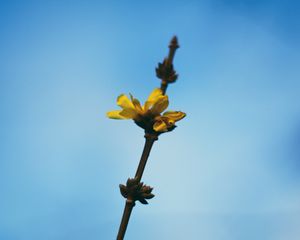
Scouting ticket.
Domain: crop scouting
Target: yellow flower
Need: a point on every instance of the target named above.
(149, 115)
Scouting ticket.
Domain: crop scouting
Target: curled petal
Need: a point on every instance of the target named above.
(174, 115)
(160, 126)
(115, 115)
(160, 105)
(168, 121)
(124, 102)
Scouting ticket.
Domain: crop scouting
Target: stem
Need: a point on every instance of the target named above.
(125, 219)
(150, 139)
(163, 86)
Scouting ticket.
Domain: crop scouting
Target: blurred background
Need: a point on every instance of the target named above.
(235, 158)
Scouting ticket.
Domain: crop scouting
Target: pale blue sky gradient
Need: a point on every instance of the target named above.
(235, 158)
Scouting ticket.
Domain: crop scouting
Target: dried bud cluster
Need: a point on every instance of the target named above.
(136, 191)
(165, 71)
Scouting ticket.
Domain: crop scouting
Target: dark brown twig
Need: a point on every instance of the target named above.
(150, 139)
(130, 202)
(125, 219)
(134, 189)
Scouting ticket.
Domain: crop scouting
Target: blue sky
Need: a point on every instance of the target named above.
(235, 157)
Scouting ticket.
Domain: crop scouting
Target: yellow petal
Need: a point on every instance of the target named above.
(114, 114)
(160, 105)
(124, 102)
(128, 113)
(147, 105)
(160, 126)
(153, 97)
(174, 115)
(154, 94)
(136, 103)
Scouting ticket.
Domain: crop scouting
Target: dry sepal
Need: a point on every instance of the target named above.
(136, 191)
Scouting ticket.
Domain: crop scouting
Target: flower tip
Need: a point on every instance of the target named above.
(114, 114)
(107, 114)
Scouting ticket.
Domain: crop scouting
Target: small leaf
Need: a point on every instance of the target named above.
(143, 201)
(148, 196)
(123, 190)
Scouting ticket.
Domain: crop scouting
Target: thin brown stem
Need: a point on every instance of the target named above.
(150, 139)
(125, 219)
(163, 86)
